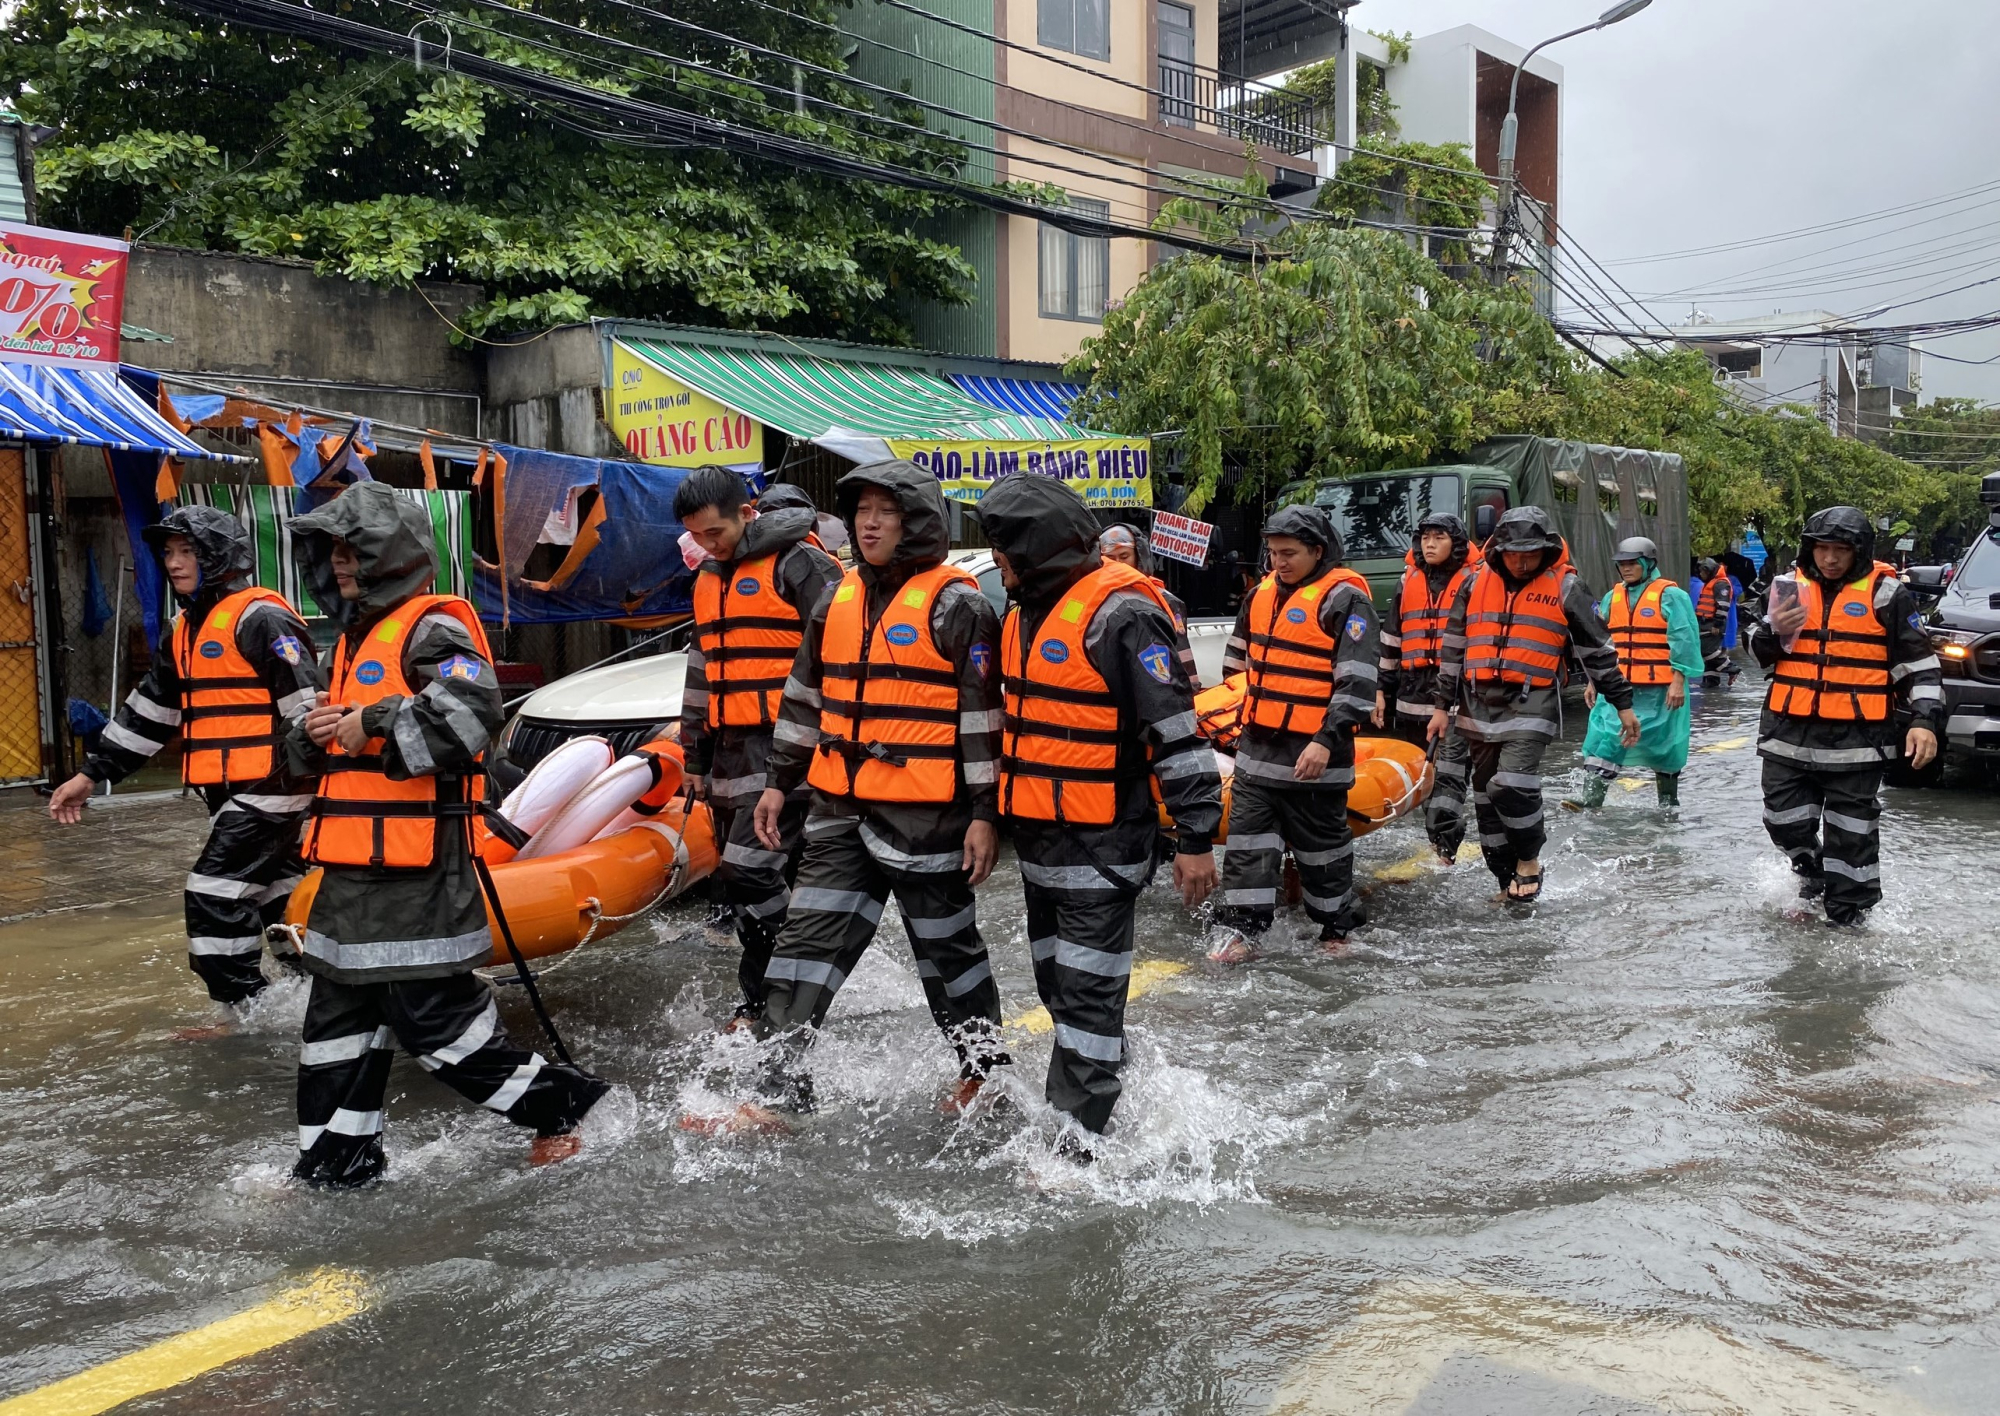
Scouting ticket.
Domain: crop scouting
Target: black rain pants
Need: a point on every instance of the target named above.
(238, 885)
(1311, 821)
(1507, 799)
(1828, 822)
(756, 885)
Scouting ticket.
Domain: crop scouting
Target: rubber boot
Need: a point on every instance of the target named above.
(1594, 788)
(1669, 786)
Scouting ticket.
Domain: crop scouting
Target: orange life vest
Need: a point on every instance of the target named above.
(360, 817)
(1639, 634)
(1517, 637)
(1290, 673)
(1064, 748)
(889, 700)
(1838, 667)
(748, 635)
(1704, 605)
(1421, 618)
(1167, 599)
(229, 721)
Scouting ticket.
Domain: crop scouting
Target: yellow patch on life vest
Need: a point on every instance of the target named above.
(221, 618)
(1311, 592)
(1072, 611)
(843, 594)
(914, 599)
(389, 629)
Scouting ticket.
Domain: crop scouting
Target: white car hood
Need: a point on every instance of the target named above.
(636, 691)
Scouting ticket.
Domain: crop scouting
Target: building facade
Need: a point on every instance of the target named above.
(1858, 387)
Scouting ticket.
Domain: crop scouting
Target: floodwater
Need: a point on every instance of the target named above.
(1656, 1149)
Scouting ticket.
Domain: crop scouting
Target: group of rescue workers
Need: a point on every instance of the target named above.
(865, 732)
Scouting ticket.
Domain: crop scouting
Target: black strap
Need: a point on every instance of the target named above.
(503, 828)
(521, 969)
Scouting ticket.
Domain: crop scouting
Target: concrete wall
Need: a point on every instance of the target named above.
(291, 335)
(546, 391)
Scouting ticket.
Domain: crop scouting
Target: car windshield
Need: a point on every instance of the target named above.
(1377, 516)
(1981, 572)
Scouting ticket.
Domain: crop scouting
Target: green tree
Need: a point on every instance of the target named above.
(221, 138)
(1951, 434)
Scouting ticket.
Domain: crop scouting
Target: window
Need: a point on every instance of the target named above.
(1377, 516)
(1076, 270)
(1078, 26)
(1177, 83)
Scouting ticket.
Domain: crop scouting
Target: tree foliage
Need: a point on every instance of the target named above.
(227, 139)
(1344, 351)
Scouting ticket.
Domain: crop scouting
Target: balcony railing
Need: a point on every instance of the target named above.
(1272, 117)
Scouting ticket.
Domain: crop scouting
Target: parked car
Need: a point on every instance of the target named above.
(1964, 625)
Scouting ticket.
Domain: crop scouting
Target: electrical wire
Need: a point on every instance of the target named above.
(1821, 229)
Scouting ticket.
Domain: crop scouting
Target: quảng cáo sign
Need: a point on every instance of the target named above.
(1108, 471)
(1181, 538)
(663, 421)
(62, 295)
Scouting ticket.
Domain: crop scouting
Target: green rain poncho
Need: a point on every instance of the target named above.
(1663, 732)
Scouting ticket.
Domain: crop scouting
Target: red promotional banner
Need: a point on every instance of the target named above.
(61, 296)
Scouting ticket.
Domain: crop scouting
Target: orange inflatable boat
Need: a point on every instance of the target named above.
(1392, 778)
(557, 901)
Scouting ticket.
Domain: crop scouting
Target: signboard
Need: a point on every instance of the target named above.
(663, 421)
(1181, 538)
(1105, 472)
(61, 296)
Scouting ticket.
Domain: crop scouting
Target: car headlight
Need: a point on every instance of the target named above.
(1953, 643)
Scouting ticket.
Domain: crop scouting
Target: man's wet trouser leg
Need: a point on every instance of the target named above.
(1081, 942)
(237, 885)
(1828, 823)
(752, 879)
(452, 1027)
(1444, 813)
(1253, 858)
(1313, 822)
(1714, 658)
(837, 903)
(1507, 798)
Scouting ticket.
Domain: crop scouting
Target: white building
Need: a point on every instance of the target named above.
(1858, 388)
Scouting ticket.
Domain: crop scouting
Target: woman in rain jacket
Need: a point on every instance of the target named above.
(1652, 626)
(399, 922)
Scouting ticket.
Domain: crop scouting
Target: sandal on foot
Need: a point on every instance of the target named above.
(1532, 885)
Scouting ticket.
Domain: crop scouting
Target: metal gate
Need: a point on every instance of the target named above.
(21, 726)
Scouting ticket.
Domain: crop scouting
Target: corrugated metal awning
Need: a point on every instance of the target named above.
(89, 407)
(1037, 398)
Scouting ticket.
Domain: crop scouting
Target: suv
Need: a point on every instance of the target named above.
(1964, 625)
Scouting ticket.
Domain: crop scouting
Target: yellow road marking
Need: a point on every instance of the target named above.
(1416, 867)
(1631, 784)
(327, 1296)
(1399, 1341)
(1732, 745)
(1146, 977)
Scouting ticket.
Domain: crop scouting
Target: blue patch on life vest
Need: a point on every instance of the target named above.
(903, 635)
(211, 649)
(1851, 608)
(1356, 627)
(288, 649)
(1055, 651)
(1296, 615)
(1648, 612)
(748, 585)
(370, 672)
(458, 666)
(981, 656)
(1155, 660)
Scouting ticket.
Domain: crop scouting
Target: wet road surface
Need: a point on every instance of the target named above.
(1655, 1149)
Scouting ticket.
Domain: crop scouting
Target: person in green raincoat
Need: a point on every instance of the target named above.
(1652, 626)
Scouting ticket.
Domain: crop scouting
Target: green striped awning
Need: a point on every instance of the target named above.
(820, 400)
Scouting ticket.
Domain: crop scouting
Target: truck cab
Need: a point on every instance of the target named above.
(1377, 515)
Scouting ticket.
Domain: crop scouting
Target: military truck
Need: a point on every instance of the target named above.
(1598, 496)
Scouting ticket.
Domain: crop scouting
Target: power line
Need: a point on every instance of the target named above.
(1821, 229)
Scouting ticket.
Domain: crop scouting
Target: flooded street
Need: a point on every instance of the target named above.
(1655, 1149)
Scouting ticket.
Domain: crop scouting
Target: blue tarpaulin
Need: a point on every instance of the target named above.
(1031, 398)
(89, 407)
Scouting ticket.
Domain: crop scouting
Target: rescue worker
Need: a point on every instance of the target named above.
(1434, 571)
(1713, 604)
(765, 575)
(399, 922)
(1651, 622)
(236, 665)
(1127, 546)
(1306, 642)
(1518, 619)
(1099, 715)
(892, 715)
(1844, 642)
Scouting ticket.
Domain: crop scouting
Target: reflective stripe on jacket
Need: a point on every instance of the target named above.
(1517, 637)
(229, 721)
(361, 817)
(1838, 667)
(889, 700)
(1289, 659)
(1065, 747)
(1639, 634)
(749, 635)
(1420, 619)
